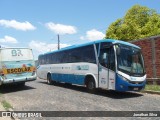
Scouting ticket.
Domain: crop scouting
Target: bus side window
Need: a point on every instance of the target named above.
(43, 60)
(53, 58)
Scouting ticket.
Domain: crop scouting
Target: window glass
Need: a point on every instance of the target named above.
(103, 57)
(112, 59)
(129, 60)
(54, 56)
(81, 54)
(42, 60)
(85, 54)
(47, 59)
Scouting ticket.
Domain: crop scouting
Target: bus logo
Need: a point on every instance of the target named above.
(16, 53)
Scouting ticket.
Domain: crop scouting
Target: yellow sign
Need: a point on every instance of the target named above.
(18, 70)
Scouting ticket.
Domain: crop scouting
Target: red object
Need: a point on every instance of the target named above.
(23, 65)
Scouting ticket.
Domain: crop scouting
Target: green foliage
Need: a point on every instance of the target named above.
(139, 22)
(6, 105)
(153, 87)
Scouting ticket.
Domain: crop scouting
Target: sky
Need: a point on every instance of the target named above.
(36, 23)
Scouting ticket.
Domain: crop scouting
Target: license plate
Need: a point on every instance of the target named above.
(135, 88)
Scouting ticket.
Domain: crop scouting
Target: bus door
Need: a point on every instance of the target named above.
(111, 70)
(103, 68)
(107, 68)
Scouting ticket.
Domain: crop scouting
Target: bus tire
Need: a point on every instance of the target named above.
(90, 84)
(49, 79)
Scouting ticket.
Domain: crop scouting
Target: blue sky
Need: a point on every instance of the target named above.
(36, 23)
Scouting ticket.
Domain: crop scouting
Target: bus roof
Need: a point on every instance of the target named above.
(93, 42)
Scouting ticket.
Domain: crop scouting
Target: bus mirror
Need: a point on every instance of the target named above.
(118, 50)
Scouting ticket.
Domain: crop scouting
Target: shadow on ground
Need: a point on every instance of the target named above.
(99, 92)
(9, 88)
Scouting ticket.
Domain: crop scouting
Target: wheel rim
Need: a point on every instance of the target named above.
(90, 85)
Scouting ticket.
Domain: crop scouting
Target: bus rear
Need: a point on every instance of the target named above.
(17, 65)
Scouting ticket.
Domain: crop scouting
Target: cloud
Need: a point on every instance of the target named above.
(93, 35)
(42, 47)
(24, 26)
(61, 29)
(8, 39)
(4, 46)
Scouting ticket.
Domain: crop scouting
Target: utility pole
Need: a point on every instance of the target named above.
(58, 42)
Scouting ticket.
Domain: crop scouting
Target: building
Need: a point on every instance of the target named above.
(151, 52)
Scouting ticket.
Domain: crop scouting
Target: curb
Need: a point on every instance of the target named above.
(151, 92)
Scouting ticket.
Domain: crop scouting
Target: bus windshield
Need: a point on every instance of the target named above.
(130, 60)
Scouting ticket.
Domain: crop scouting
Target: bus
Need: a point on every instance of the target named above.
(17, 66)
(107, 64)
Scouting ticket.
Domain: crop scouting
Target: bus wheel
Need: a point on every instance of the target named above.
(49, 79)
(91, 86)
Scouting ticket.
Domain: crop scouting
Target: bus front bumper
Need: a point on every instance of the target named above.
(122, 85)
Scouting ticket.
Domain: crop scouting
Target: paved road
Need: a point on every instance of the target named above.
(37, 95)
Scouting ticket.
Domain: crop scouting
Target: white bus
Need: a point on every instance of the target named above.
(17, 65)
(108, 64)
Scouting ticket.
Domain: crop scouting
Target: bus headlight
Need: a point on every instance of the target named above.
(123, 78)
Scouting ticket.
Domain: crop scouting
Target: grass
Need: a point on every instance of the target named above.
(6, 105)
(153, 87)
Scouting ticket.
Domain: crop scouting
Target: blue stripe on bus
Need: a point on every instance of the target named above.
(68, 78)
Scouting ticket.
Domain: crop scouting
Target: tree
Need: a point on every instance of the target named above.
(139, 22)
